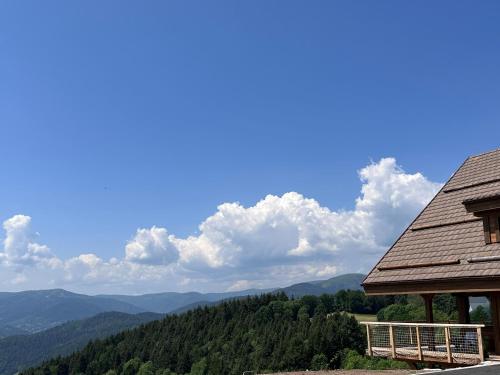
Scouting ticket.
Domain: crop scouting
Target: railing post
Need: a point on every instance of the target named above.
(392, 341)
(448, 346)
(419, 346)
(480, 344)
(368, 339)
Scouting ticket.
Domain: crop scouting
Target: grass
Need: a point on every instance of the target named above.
(364, 317)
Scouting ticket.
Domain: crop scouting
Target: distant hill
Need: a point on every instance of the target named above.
(19, 352)
(11, 331)
(350, 281)
(34, 311)
(172, 301)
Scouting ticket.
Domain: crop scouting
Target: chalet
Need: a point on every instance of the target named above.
(453, 246)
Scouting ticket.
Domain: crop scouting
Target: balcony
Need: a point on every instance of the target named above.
(459, 344)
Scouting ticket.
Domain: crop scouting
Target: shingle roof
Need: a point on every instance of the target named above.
(438, 243)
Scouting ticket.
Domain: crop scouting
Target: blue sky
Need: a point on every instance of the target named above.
(122, 115)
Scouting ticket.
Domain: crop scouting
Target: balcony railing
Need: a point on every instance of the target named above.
(447, 343)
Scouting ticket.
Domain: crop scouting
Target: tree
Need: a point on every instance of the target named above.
(199, 368)
(147, 369)
(319, 362)
(480, 315)
(131, 367)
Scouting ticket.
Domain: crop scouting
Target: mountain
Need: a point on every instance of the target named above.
(172, 301)
(34, 311)
(19, 352)
(350, 281)
(6, 331)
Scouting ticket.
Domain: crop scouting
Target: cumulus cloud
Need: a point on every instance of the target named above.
(151, 246)
(20, 247)
(291, 228)
(279, 240)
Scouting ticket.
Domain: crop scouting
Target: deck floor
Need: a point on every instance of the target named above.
(411, 353)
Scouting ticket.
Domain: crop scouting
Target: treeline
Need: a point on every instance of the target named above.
(265, 333)
(411, 309)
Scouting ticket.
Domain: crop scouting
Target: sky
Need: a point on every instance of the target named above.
(224, 145)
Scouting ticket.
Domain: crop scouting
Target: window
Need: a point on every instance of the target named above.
(491, 226)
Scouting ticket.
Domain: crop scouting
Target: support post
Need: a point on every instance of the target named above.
(392, 341)
(448, 346)
(429, 315)
(369, 340)
(419, 346)
(495, 319)
(429, 318)
(480, 344)
(463, 307)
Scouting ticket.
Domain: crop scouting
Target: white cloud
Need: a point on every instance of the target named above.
(279, 240)
(292, 229)
(19, 246)
(151, 246)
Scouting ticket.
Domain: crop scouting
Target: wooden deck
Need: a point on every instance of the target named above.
(459, 344)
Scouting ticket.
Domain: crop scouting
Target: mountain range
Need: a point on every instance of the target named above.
(38, 325)
(34, 311)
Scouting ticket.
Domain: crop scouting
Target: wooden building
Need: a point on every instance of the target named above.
(453, 246)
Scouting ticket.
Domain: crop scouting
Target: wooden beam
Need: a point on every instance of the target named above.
(467, 285)
(463, 307)
(392, 341)
(369, 340)
(448, 346)
(479, 207)
(495, 319)
(480, 344)
(419, 345)
(429, 315)
(429, 318)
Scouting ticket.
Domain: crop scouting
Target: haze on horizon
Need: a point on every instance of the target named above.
(223, 146)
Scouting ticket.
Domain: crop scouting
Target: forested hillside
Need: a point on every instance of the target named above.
(38, 310)
(34, 311)
(270, 332)
(19, 352)
(349, 281)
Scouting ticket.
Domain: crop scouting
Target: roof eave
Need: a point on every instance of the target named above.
(435, 286)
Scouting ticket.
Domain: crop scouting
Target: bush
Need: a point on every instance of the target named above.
(319, 362)
(353, 360)
(409, 313)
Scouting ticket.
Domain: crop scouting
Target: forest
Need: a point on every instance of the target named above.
(266, 333)
(271, 332)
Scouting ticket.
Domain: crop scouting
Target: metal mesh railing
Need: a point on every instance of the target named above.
(452, 343)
